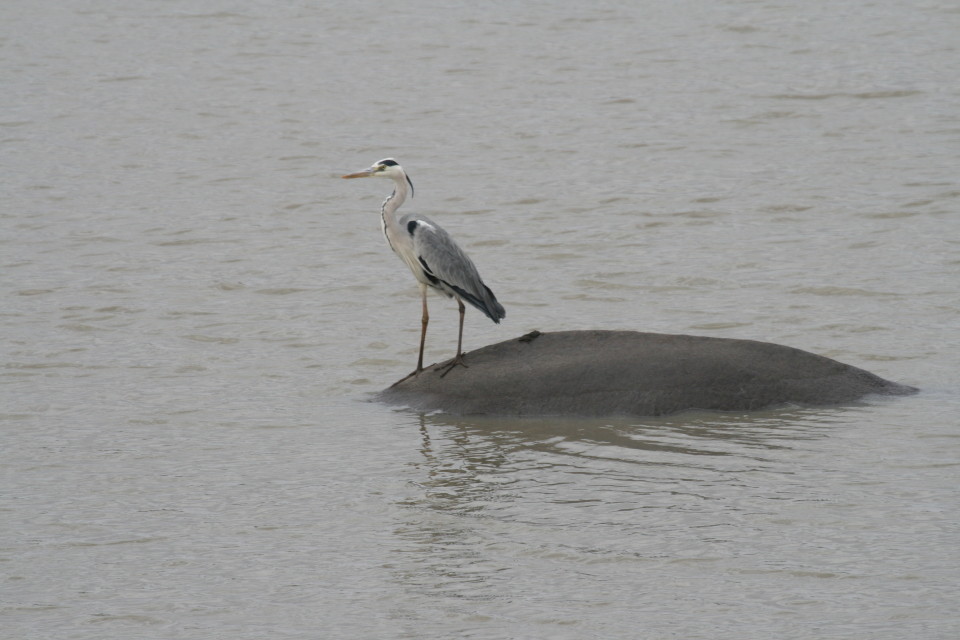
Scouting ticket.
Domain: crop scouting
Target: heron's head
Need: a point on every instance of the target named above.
(386, 168)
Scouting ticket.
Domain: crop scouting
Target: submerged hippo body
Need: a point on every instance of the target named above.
(600, 373)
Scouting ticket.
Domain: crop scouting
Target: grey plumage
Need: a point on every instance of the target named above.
(448, 268)
(433, 257)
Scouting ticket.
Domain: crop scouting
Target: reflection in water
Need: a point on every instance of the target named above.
(678, 440)
(537, 490)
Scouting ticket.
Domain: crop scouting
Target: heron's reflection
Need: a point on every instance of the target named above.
(466, 457)
(607, 487)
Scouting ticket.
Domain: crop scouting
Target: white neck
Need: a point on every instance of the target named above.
(395, 199)
(389, 222)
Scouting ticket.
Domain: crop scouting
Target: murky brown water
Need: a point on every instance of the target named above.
(196, 311)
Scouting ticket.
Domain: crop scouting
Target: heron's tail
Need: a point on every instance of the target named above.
(486, 302)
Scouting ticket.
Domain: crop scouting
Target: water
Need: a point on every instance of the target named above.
(196, 312)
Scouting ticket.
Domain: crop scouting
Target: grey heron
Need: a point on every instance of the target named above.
(435, 260)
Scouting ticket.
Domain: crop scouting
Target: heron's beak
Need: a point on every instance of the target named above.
(366, 173)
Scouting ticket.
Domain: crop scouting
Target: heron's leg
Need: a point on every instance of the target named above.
(423, 327)
(460, 332)
(458, 359)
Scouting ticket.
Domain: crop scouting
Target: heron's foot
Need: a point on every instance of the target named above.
(412, 374)
(453, 362)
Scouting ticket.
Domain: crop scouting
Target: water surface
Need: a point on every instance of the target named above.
(197, 311)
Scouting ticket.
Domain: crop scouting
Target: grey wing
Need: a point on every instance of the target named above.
(449, 268)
